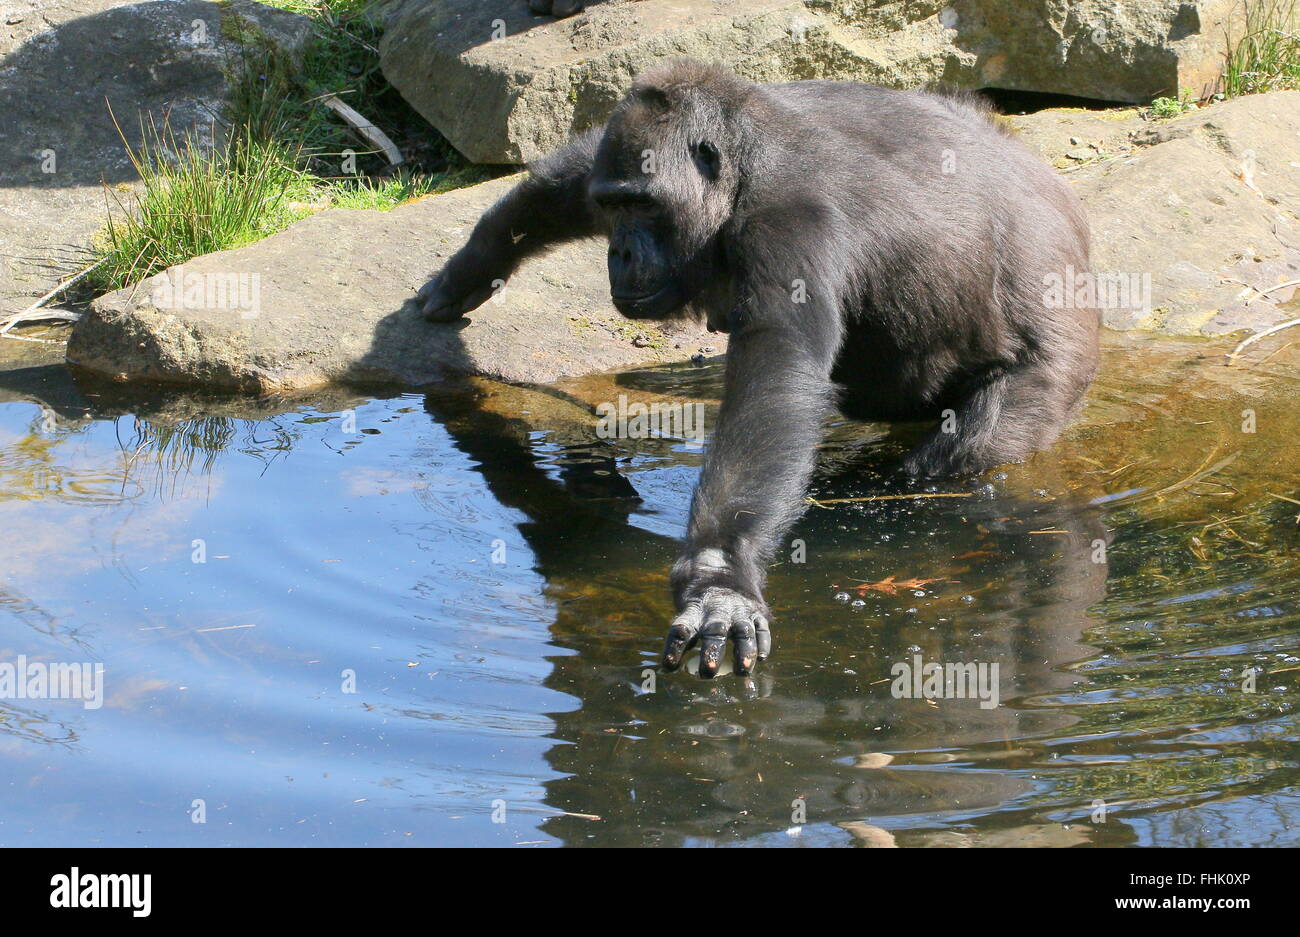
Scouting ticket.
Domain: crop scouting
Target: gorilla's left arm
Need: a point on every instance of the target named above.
(548, 207)
(784, 336)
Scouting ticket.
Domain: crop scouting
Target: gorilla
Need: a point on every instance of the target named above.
(887, 252)
(556, 7)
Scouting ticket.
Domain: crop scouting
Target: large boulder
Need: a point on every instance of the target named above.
(504, 86)
(64, 64)
(330, 300)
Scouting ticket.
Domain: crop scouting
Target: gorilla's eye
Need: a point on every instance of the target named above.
(707, 159)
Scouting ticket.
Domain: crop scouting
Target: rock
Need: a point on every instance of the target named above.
(1058, 131)
(1211, 200)
(1208, 210)
(504, 86)
(58, 145)
(328, 300)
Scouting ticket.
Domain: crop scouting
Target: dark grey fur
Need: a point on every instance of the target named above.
(922, 235)
(556, 7)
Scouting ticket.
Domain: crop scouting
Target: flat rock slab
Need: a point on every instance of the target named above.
(330, 299)
(504, 86)
(1207, 205)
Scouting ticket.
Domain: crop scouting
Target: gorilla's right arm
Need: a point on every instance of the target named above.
(791, 268)
(547, 207)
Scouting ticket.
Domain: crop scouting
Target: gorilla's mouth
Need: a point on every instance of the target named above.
(644, 305)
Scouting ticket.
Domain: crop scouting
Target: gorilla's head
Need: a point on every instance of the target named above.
(667, 175)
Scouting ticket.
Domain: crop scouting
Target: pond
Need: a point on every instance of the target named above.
(412, 619)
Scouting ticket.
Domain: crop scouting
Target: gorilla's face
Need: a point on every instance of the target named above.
(665, 189)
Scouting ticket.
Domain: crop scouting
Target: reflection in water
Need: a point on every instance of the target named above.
(493, 577)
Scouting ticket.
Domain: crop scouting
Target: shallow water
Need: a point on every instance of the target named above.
(494, 577)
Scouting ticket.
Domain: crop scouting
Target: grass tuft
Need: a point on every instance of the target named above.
(1165, 108)
(275, 156)
(194, 199)
(1267, 57)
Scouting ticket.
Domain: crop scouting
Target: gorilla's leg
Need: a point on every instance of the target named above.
(1004, 418)
(548, 207)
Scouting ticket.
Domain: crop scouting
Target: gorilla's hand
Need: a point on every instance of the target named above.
(468, 280)
(709, 618)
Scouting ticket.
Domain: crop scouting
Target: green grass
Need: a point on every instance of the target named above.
(1267, 57)
(280, 155)
(193, 200)
(1164, 108)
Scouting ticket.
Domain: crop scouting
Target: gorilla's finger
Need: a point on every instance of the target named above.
(713, 644)
(566, 7)
(476, 299)
(682, 635)
(764, 636)
(438, 310)
(435, 303)
(441, 306)
(746, 643)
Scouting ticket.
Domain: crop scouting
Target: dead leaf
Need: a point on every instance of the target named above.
(891, 586)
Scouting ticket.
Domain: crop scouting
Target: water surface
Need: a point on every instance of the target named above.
(491, 577)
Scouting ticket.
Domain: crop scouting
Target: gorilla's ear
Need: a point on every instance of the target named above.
(707, 159)
(654, 96)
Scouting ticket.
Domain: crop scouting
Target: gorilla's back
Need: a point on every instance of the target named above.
(961, 222)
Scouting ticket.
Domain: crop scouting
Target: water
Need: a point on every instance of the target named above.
(492, 578)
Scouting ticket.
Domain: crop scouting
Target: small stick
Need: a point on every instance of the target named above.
(24, 338)
(372, 134)
(1274, 353)
(823, 503)
(1280, 286)
(1199, 474)
(1236, 352)
(27, 313)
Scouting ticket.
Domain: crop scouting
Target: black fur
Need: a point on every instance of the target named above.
(556, 7)
(884, 250)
